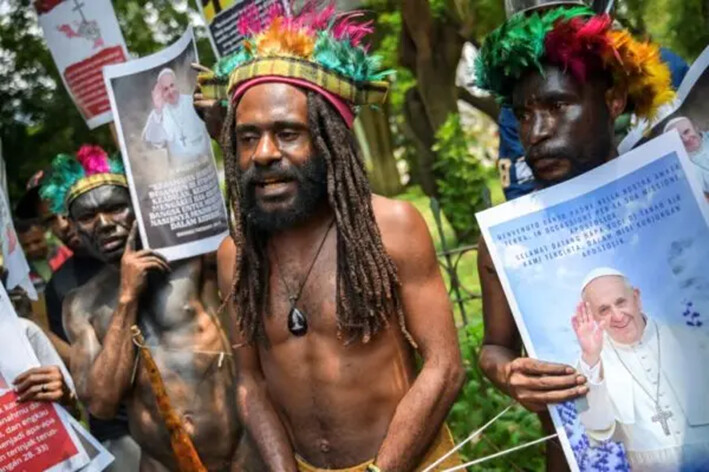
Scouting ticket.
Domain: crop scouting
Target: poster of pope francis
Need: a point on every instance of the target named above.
(606, 274)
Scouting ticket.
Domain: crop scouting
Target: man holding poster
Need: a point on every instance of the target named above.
(642, 376)
(180, 383)
(566, 95)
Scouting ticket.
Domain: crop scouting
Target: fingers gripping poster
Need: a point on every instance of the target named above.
(621, 252)
(167, 152)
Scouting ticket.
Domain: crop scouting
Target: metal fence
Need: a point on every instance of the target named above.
(449, 258)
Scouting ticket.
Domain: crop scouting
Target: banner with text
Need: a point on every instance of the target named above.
(36, 436)
(222, 17)
(606, 273)
(167, 152)
(83, 36)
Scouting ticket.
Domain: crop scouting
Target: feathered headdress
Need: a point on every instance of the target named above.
(317, 49)
(582, 44)
(72, 176)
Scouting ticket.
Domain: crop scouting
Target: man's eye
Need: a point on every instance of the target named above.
(287, 135)
(558, 105)
(248, 138)
(84, 218)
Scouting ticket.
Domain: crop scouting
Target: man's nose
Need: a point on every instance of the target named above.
(267, 151)
(104, 220)
(541, 128)
(617, 315)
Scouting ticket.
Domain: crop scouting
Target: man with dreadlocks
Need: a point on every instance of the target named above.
(333, 290)
(567, 75)
(142, 331)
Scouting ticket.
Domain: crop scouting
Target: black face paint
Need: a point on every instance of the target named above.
(103, 218)
(565, 126)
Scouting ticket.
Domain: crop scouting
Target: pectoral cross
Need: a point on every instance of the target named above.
(662, 417)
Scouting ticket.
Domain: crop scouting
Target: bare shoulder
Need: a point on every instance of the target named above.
(226, 259)
(402, 227)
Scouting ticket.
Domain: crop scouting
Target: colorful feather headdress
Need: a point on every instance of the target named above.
(581, 43)
(73, 176)
(317, 49)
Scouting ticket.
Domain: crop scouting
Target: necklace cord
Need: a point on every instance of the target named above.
(295, 299)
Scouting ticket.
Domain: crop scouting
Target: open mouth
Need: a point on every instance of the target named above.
(273, 186)
(112, 243)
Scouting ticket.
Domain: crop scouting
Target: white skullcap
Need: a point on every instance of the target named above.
(166, 71)
(598, 273)
(674, 121)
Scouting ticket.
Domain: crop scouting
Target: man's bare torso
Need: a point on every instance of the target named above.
(336, 400)
(193, 358)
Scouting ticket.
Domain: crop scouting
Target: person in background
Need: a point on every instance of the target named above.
(566, 96)
(515, 174)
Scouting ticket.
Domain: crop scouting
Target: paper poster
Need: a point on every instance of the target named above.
(689, 115)
(607, 273)
(34, 436)
(167, 152)
(13, 258)
(83, 36)
(222, 18)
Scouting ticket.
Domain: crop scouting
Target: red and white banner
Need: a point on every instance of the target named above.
(83, 36)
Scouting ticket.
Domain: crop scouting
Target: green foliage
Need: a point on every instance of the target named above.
(478, 403)
(461, 179)
(38, 120)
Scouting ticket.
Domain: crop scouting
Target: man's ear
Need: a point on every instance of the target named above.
(616, 100)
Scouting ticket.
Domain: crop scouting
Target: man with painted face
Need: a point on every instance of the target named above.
(333, 290)
(567, 76)
(185, 397)
(646, 387)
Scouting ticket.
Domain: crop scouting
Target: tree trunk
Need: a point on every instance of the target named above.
(374, 137)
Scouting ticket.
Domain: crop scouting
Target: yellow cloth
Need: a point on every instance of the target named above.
(441, 445)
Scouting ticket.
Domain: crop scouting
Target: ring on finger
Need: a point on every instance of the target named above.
(44, 388)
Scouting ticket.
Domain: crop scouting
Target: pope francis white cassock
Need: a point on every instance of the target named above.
(174, 124)
(648, 382)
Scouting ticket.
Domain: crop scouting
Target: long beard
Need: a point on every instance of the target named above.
(311, 179)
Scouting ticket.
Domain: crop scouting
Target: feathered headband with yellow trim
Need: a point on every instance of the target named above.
(317, 46)
(581, 43)
(72, 176)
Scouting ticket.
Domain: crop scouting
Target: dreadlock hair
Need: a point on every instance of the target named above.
(367, 279)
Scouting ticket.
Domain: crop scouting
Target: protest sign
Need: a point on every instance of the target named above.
(13, 258)
(689, 115)
(167, 152)
(222, 17)
(83, 36)
(607, 273)
(34, 436)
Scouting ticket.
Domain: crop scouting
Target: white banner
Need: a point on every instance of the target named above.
(83, 36)
(606, 273)
(36, 436)
(13, 257)
(167, 152)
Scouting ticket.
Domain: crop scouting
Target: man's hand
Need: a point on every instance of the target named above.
(43, 384)
(158, 99)
(135, 266)
(535, 384)
(589, 334)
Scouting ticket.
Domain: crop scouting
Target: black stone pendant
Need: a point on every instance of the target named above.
(297, 322)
